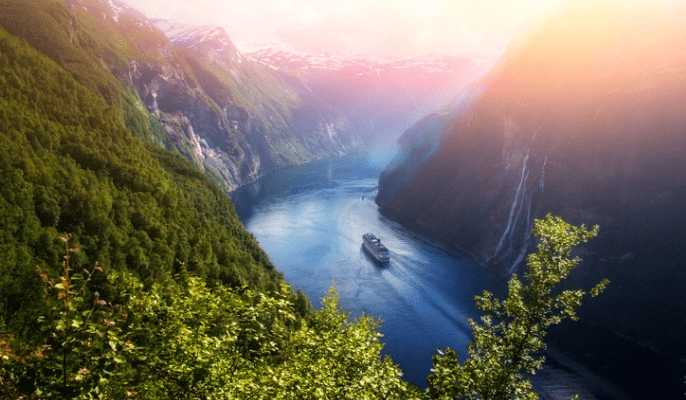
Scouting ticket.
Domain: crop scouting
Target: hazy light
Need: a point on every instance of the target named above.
(374, 27)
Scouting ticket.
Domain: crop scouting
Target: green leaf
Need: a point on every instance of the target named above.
(508, 341)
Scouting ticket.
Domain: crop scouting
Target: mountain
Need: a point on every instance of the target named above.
(195, 94)
(383, 96)
(70, 166)
(189, 89)
(301, 125)
(585, 119)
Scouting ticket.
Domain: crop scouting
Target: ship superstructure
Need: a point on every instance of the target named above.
(375, 247)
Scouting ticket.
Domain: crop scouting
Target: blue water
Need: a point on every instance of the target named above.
(310, 221)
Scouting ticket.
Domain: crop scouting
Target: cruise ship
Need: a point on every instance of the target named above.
(375, 248)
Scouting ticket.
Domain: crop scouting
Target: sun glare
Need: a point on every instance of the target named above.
(426, 8)
(425, 37)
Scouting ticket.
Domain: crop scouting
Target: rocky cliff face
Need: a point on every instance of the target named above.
(586, 119)
(285, 123)
(234, 118)
(189, 89)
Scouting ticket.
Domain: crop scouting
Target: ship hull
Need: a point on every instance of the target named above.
(371, 248)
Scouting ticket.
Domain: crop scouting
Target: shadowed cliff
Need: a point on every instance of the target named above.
(584, 118)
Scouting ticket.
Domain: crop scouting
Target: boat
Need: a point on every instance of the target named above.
(374, 246)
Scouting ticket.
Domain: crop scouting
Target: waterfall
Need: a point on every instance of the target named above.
(514, 209)
(527, 237)
(542, 182)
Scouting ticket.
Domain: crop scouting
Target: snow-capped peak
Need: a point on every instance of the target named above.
(276, 57)
(179, 33)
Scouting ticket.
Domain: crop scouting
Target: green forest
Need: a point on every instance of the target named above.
(125, 270)
(126, 273)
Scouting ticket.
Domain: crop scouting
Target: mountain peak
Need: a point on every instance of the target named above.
(406, 69)
(180, 33)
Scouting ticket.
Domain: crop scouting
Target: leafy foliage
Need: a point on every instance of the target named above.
(83, 346)
(219, 344)
(509, 340)
(186, 340)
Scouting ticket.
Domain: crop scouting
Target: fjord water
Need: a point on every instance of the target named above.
(310, 220)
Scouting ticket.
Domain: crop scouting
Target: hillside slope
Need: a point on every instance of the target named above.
(125, 272)
(295, 124)
(585, 119)
(69, 165)
(234, 120)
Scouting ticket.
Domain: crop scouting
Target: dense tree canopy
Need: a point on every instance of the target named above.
(186, 340)
(69, 165)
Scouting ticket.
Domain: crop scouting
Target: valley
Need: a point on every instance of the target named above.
(425, 294)
(183, 164)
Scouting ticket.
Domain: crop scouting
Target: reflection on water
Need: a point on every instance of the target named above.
(310, 220)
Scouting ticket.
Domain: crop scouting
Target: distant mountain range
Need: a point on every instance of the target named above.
(586, 119)
(383, 95)
(424, 66)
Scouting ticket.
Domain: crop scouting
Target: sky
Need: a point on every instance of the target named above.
(379, 28)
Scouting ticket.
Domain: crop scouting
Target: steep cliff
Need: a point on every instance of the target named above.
(585, 118)
(196, 94)
(283, 121)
